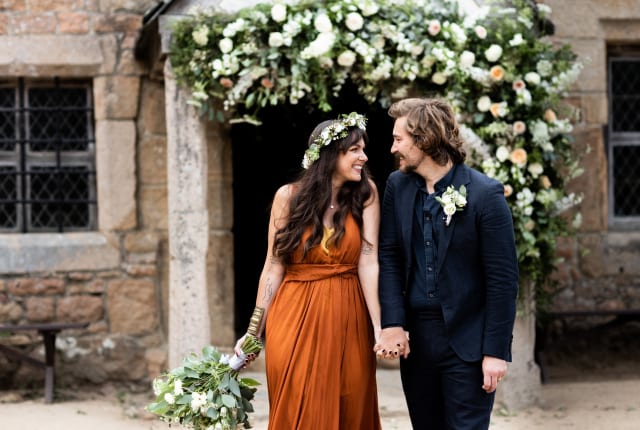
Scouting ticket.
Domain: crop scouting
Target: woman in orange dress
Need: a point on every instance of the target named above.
(319, 288)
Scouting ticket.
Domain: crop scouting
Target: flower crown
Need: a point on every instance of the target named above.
(338, 129)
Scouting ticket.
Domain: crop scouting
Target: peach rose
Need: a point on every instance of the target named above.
(550, 115)
(545, 182)
(267, 83)
(497, 73)
(508, 190)
(226, 82)
(518, 156)
(519, 127)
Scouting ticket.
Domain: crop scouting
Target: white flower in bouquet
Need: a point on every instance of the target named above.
(207, 390)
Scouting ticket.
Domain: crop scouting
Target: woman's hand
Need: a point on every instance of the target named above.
(248, 358)
(393, 343)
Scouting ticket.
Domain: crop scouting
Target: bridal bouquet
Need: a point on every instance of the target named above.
(207, 392)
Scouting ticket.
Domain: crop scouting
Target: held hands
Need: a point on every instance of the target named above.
(493, 370)
(392, 343)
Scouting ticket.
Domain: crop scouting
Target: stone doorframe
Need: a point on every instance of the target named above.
(200, 218)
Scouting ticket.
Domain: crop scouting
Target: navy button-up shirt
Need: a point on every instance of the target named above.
(423, 290)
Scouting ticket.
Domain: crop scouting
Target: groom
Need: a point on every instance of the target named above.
(448, 272)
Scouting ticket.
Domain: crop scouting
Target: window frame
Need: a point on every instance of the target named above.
(615, 139)
(25, 158)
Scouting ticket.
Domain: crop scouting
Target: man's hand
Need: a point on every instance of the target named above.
(493, 370)
(393, 343)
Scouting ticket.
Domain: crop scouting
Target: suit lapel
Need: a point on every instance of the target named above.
(407, 207)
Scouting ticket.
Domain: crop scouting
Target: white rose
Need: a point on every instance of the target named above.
(347, 58)
(438, 78)
(276, 39)
(200, 36)
(516, 40)
(484, 104)
(481, 32)
(322, 23)
(502, 153)
(450, 209)
(354, 21)
(535, 169)
(225, 45)
(493, 53)
(544, 67)
(467, 58)
(369, 8)
(533, 78)
(279, 12)
(168, 397)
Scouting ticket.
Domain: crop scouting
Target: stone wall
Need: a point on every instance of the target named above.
(600, 268)
(112, 278)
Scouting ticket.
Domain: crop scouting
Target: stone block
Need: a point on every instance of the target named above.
(116, 174)
(592, 263)
(50, 55)
(80, 308)
(152, 108)
(153, 207)
(152, 160)
(40, 309)
(132, 306)
(145, 241)
(21, 253)
(116, 97)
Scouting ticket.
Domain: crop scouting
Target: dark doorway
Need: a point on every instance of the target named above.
(268, 156)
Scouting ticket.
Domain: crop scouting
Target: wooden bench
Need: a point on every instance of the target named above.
(543, 330)
(48, 332)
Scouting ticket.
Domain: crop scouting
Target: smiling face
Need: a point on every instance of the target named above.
(404, 149)
(349, 164)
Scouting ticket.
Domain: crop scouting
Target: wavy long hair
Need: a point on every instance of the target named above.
(433, 127)
(312, 197)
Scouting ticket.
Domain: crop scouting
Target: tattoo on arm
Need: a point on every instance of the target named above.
(268, 291)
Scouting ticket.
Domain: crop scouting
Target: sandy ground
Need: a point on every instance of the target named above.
(593, 384)
(595, 405)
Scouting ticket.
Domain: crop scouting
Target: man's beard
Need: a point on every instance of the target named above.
(406, 168)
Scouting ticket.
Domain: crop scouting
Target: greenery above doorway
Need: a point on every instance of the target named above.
(505, 78)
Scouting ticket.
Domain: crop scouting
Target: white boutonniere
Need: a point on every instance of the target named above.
(453, 200)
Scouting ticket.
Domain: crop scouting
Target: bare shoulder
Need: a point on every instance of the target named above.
(282, 199)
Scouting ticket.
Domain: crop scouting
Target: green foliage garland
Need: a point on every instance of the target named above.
(505, 79)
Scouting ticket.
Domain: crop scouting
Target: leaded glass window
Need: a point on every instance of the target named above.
(47, 156)
(624, 140)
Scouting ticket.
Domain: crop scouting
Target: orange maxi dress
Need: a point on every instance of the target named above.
(320, 365)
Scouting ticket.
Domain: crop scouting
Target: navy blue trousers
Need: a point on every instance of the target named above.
(442, 391)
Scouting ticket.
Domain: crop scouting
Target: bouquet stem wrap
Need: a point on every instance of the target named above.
(251, 344)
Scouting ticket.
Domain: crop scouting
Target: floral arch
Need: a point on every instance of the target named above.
(503, 76)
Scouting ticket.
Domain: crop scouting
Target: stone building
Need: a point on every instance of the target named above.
(151, 226)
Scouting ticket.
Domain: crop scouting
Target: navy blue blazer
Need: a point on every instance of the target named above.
(476, 267)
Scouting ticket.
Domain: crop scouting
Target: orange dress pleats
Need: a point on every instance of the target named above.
(320, 366)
